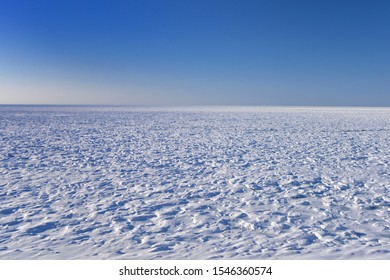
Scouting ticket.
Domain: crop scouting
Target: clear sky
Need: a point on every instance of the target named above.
(195, 52)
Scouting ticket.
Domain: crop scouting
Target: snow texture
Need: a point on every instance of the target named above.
(194, 183)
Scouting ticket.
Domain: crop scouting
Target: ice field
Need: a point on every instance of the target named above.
(194, 183)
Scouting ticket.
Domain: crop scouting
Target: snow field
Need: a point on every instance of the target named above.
(197, 183)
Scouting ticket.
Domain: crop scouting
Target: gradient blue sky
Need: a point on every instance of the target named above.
(195, 52)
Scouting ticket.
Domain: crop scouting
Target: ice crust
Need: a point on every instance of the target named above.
(194, 183)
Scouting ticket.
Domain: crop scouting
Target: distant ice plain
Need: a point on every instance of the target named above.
(85, 182)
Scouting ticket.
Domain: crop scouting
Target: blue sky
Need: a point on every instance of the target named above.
(195, 52)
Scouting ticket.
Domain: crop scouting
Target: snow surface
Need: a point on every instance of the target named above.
(194, 183)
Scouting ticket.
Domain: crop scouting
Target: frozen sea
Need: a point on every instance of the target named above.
(85, 182)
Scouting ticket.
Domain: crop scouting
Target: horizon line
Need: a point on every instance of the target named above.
(186, 105)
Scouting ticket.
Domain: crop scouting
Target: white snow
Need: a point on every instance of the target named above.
(194, 183)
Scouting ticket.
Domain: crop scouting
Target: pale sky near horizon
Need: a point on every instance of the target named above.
(195, 52)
